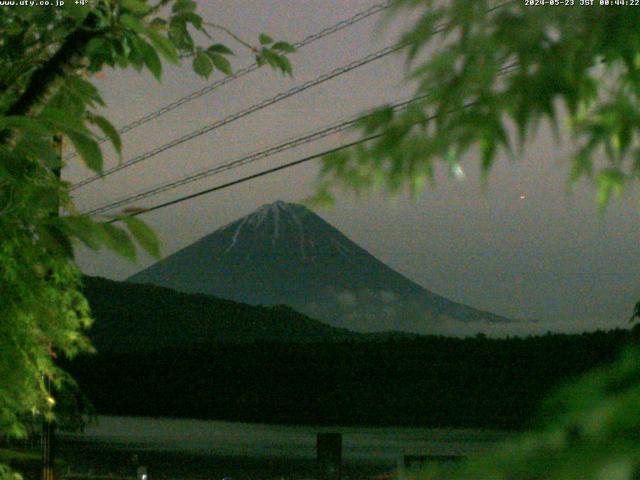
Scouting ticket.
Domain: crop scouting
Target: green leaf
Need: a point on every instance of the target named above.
(488, 147)
(610, 182)
(77, 12)
(40, 149)
(88, 149)
(285, 65)
(164, 46)
(118, 241)
(220, 48)
(151, 58)
(265, 39)
(188, 17)
(85, 90)
(47, 198)
(279, 62)
(135, 54)
(183, 6)
(132, 23)
(136, 6)
(377, 120)
(55, 240)
(99, 51)
(109, 130)
(179, 34)
(72, 101)
(284, 47)
(202, 64)
(144, 235)
(86, 230)
(221, 63)
(61, 121)
(196, 21)
(26, 124)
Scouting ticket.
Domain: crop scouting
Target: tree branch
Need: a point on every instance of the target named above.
(43, 80)
(232, 35)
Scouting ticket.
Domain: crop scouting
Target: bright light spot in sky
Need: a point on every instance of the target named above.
(522, 197)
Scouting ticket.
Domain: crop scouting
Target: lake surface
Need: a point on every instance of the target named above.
(231, 439)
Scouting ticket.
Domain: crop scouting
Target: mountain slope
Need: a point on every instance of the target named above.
(285, 254)
(141, 318)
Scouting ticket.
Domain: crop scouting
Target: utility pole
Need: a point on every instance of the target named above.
(47, 445)
(48, 426)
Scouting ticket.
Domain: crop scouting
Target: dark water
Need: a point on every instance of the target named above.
(178, 448)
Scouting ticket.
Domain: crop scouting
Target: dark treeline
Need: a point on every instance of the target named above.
(428, 381)
(133, 317)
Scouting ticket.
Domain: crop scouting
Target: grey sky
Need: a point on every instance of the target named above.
(548, 256)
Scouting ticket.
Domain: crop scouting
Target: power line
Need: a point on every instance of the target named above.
(364, 14)
(273, 170)
(251, 177)
(247, 111)
(265, 103)
(253, 157)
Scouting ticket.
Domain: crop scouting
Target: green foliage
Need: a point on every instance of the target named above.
(143, 235)
(110, 132)
(573, 64)
(46, 56)
(591, 432)
(7, 474)
(500, 71)
(276, 59)
(202, 64)
(42, 310)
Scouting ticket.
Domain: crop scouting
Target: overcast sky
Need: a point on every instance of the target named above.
(547, 255)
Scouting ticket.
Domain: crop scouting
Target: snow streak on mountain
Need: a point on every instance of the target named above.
(285, 254)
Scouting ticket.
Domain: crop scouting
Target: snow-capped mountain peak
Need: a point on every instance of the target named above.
(283, 253)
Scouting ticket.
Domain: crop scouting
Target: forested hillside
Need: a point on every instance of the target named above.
(431, 381)
(131, 317)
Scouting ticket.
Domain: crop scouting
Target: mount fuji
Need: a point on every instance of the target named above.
(283, 253)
